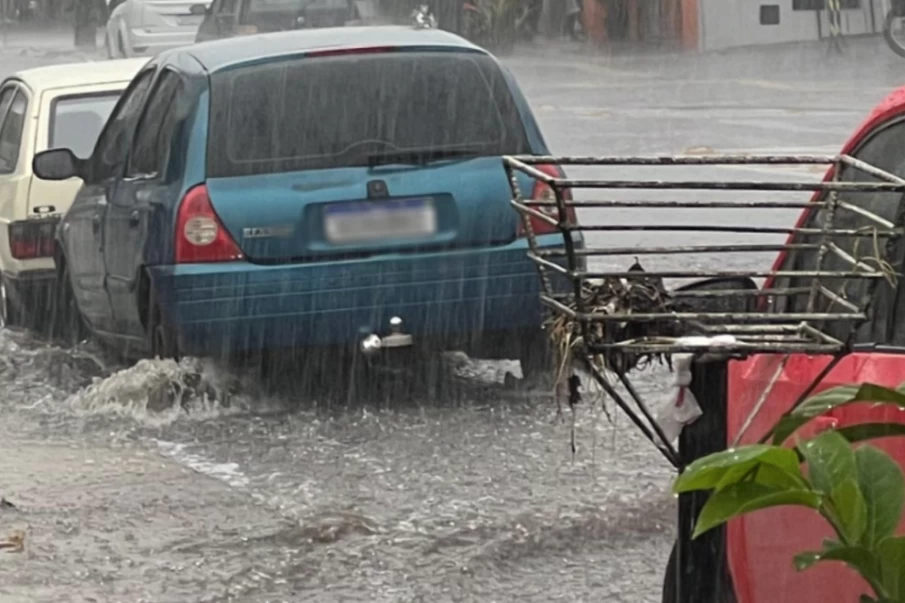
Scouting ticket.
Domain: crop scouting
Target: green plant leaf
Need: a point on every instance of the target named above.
(740, 498)
(892, 567)
(705, 473)
(831, 469)
(871, 431)
(866, 599)
(805, 560)
(831, 399)
(830, 459)
(861, 559)
(850, 509)
(763, 473)
(883, 487)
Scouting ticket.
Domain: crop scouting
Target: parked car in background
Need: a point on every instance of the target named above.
(143, 28)
(226, 18)
(41, 108)
(220, 215)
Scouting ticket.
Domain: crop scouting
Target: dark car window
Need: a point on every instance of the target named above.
(886, 150)
(258, 7)
(316, 113)
(273, 15)
(76, 121)
(152, 138)
(11, 132)
(6, 99)
(115, 139)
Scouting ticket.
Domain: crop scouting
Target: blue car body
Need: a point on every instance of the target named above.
(465, 284)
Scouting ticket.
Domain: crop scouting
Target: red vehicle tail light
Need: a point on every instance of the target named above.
(200, 236)
(335, 52)
(543, 192)
(30, 239)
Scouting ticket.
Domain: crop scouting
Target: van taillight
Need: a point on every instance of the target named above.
(30, 239)
(200, 236)
(543, 192)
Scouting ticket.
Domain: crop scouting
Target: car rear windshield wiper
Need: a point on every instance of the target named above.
(422, 156)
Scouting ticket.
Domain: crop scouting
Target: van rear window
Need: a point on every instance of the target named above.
(328, 112)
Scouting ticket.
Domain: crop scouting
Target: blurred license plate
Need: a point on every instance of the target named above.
(187, 21)
(380, 220)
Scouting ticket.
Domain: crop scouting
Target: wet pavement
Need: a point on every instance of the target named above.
(466, 494)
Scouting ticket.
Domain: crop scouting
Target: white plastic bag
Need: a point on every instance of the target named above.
(683, 408)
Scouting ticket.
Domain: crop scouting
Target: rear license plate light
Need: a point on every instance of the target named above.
(378, 221)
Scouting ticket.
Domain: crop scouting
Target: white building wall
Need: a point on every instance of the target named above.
(733, 23)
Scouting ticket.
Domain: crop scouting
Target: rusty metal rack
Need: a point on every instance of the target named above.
(824, 315)
(755, 331)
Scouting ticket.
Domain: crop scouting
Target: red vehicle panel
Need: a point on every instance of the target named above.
(761, 546)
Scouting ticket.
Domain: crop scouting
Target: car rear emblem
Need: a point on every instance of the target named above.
(264, 232)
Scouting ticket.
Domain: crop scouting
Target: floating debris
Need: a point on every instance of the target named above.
(14, 543)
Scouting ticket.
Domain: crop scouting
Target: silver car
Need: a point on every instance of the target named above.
(139, 28)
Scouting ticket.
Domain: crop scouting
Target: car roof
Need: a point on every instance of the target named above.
(219, 54)
(80, 74)
(891, 106)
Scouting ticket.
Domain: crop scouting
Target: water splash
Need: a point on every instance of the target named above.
(160, 392)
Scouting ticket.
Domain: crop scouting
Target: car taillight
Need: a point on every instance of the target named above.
(543, 192)
(336, 52)
(30, 239)
(200, 237)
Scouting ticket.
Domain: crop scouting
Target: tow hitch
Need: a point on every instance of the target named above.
(372, 344)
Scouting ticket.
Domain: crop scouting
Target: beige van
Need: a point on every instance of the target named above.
(42, 108)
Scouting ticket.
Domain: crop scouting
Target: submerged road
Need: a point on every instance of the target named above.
(470, 494)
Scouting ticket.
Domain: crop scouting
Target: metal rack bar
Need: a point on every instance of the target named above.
(582, 203)
(632, 251)
(863, 212)
(740, 185)
(726, 316)
(725, 229)
(869, 169)
(729, 274)
(668, 160)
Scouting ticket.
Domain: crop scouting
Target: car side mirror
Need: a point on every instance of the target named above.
(57, 164)
(711, 301)
(199, 9)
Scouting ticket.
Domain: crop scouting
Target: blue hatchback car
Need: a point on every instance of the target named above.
(302, 189)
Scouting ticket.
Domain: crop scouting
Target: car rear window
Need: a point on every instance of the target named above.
(76, 121)
(256, 7)
(326, 112)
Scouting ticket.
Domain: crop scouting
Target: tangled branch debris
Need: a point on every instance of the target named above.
(642, 294)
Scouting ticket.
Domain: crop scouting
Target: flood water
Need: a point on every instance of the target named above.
(468, 493)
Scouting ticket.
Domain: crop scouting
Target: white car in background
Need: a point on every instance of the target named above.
(143, 28)
(43, 108)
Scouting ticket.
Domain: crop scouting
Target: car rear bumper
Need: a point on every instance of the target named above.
(445, 296)
(31, 292)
